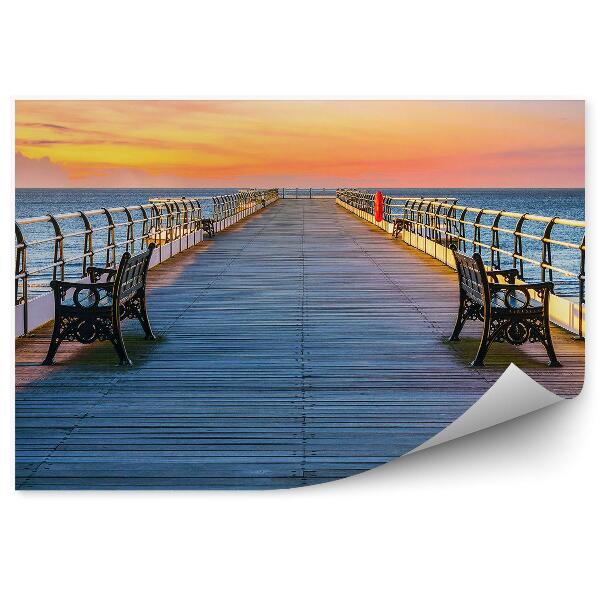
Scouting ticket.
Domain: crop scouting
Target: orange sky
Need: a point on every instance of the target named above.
(299, 143)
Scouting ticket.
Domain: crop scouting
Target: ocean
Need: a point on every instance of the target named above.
(564, 203)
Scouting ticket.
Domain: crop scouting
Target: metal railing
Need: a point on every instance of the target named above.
(84, 238)
(241, 202)
(299, 193)
(56, 246)
(521, 238)
(359, 199)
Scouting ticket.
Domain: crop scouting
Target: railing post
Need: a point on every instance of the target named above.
(145, 228)
(447, 226)
(191, 216)
(130, 235)
(427, 216)
(155, 226)
(184, 218)
(437, 225)
(581, 285)
(198, 216)
(462, 230)
(110, 239)
(178, 220)
(169, 226)
(477, 232)
(387, 213)
(450, 224)
(21, 273)
(406, 219)
(420, 226)
(88, 244)
(547, 251)
(59, 256)
(495, 245)
(518, 245)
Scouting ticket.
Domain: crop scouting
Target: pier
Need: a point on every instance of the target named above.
(301, 344)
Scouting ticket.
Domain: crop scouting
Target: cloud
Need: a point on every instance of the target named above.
(39, 172)
(145, 143)
(45, 126)
(42, 172)
(557, 152)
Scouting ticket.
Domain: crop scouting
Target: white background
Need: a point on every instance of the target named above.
(507, 513)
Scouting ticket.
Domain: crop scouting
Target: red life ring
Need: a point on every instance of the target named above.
(378, 206)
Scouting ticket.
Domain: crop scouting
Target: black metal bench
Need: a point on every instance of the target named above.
(86, 312)
(208, 225)
(513, 313)
(397, 227)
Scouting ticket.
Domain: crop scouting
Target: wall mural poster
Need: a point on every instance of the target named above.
(273, 294)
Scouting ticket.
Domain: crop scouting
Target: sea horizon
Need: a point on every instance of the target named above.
(307, 188)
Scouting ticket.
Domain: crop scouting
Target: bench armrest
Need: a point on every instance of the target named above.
(509, 274)
(97, 292)
(96, 272)
(539, 286)
(521, 296)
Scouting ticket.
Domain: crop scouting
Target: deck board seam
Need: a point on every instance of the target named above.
(302, 344)
(226, 267)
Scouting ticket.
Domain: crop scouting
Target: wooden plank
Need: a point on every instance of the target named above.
(298, 346)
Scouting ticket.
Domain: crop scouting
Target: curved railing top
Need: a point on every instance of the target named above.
(492, 212)
(101, 211)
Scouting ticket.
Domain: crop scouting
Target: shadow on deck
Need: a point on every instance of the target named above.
(300, 346)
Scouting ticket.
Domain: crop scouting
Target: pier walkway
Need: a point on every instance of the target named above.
(300, 345)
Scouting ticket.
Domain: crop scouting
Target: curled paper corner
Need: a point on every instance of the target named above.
(514, 394)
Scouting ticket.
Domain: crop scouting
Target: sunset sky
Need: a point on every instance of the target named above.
(299, 143)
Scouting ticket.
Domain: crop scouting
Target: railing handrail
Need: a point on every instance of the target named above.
(494, 212)
(99, 211)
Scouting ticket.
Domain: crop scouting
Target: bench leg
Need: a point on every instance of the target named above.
(460, 319)
(484, 344)
(54, 343)
(143, 318)
(117, 342)
(547, 341)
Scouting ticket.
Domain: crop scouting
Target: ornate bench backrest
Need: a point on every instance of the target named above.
(131, 276)
(472, 277)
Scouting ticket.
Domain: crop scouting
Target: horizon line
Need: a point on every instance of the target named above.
(405, 187)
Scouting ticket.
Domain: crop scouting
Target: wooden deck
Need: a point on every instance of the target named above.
(299, 346)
